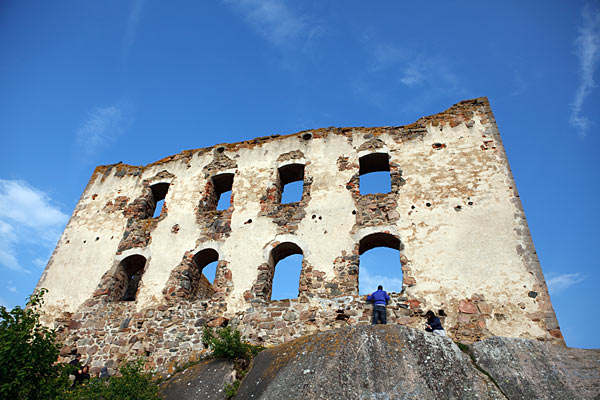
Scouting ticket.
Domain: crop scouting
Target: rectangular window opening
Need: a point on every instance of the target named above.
(375, 174)
(291, 181)
(223, 184)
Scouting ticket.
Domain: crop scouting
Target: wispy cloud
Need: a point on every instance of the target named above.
(412, 68)
(103, 126)
(276, 21)
(40, 262)
(519, 82)
(370, 282)
(426, 76)
(559, 283)
(133, 22)
(587, 50)
(28, 216)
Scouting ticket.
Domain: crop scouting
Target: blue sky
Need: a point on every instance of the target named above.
(89, 83)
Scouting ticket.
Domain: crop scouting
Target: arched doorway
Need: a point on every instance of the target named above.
(379, 263)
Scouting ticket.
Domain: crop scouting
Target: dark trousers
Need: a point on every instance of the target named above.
(379, 314)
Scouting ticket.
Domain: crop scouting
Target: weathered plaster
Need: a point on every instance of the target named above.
(464, 242)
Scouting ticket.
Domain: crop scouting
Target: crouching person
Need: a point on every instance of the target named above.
(433, 324)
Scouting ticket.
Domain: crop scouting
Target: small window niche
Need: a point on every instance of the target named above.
(133, 268)
(159, 192)
(375, 174)
(291, 180)
(222, 184)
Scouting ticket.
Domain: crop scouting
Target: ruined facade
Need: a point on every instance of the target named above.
(123, 282)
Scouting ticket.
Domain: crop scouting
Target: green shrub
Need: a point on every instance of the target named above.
(28, 352)
(132, 384)
(227, 343)
(28, 367)
(231, 390)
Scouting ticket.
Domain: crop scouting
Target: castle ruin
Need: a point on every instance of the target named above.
(123, 283)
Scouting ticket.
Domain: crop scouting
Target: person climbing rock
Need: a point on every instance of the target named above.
(380, 299)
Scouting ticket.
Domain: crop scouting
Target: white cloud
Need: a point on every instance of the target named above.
(8, 257)
(558, 283)
(274, 20)
(587, 50)
(28, 216)
(370, 282)
(103, 126)
(27, 206)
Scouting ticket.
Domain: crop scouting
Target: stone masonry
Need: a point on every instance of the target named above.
(123, 283)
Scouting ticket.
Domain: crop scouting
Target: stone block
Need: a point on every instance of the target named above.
(467, 307)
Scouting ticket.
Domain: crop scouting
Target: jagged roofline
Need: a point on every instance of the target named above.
(417, 125)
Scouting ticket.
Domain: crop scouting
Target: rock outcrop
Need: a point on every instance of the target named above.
(396, 362)
(526, 369)
(205, 380)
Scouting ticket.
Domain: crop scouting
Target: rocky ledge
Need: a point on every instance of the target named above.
(396, 362)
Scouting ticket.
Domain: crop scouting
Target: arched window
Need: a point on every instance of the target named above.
(159, 192)
(203, 261)
(286, 263)
(130, 272)
(291, 181)
(379, 263)
(375, 173)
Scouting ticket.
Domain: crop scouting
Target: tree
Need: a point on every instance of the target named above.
(28, 354)
(29, 368)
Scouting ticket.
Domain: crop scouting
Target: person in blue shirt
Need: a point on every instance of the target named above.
(379, 298)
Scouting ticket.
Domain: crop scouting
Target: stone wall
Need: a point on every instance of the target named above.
(123, 283)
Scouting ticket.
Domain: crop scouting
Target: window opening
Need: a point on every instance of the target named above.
(209, 271)
(375, 174)
(287, 278)
(224, 201)
(133, 266)
(206, 262)
(292, 192)
(286, 260)
(291, 179)
(223, 184)
(379, 264)
(202, 276)
(158, 208)
(159, 192)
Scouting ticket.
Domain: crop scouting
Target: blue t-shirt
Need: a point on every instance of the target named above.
(380, 298)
